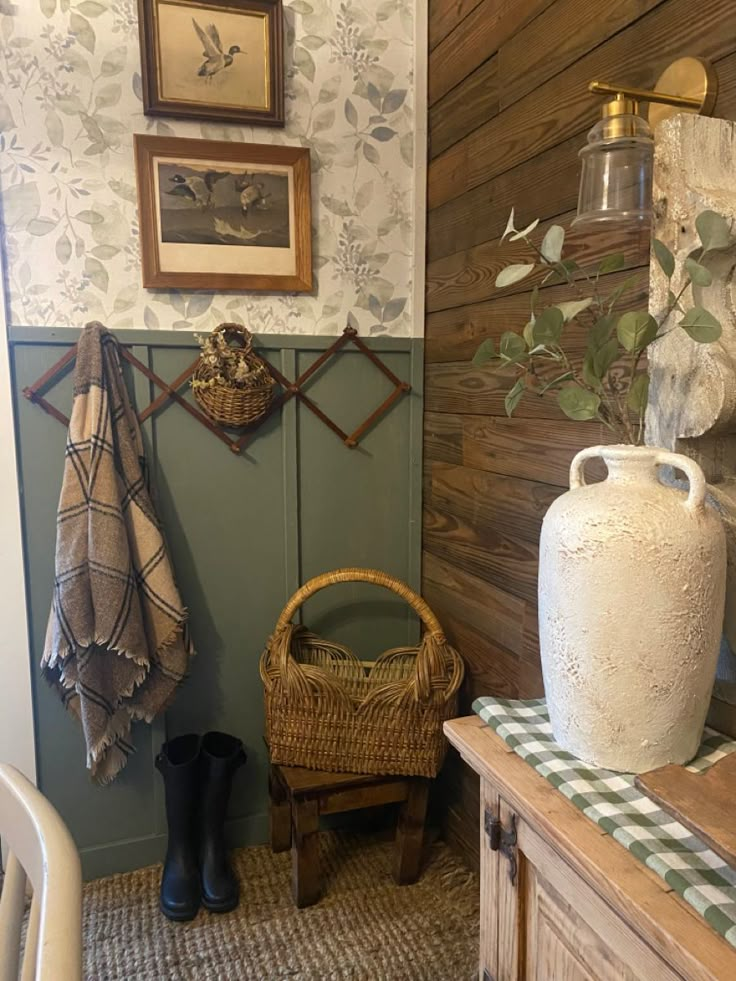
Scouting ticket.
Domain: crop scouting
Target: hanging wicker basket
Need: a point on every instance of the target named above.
(228, 404)
(327, 710)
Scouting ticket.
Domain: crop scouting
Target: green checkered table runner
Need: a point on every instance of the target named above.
(610, 799)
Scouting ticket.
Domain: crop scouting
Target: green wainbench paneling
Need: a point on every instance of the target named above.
(244, 531)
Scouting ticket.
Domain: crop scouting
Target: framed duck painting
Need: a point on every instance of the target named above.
(221, 215)
(219, 61)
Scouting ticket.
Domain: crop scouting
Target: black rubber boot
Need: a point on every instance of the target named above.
(220, 757)
(179, 765)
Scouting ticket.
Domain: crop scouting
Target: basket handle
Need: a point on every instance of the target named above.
(373, 576)
(243, 333)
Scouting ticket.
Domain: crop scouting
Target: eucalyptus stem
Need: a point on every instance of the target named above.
(671, 309)
(570, 279)
(609, 385)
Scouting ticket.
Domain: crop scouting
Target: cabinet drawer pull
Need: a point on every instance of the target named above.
(502, 840)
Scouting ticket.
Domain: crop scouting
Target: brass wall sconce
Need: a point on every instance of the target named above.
(617, 163)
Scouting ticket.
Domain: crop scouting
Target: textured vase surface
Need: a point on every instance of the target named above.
(632, 585)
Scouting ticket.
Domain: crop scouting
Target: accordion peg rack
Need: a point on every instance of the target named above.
(169, 392)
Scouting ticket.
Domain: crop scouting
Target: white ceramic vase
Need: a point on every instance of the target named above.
(632, 585)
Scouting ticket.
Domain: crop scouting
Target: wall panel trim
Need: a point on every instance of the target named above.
(181, 338)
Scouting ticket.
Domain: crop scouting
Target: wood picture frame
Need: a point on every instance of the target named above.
(216, 215)
(219, 61)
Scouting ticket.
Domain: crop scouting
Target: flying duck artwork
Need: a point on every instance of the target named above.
(216, 59)
(201, 205)
(223, 214)
(196, 188)
(252, 194)
(213, 59)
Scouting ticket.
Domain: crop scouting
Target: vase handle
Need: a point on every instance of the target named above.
(695, 476)
(577, 471)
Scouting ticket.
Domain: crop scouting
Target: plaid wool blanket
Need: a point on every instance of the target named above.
(116, 645)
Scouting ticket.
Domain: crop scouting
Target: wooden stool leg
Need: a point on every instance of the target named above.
(305, 873)
(280, 813)
(410, 832)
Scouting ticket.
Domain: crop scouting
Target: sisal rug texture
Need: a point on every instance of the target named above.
(365, 927)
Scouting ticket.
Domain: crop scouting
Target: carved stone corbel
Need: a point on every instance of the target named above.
(692, 396)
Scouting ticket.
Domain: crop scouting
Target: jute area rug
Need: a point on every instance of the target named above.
(365, 927)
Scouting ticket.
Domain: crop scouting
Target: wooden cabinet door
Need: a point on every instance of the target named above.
(541, 921)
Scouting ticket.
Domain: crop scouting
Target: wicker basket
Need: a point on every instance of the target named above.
(226, 404)
(327, 710)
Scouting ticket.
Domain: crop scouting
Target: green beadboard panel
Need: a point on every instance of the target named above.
(357, 511)
(243, 532)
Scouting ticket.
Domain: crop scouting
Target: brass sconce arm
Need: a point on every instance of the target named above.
(646, 95)
(688, 85)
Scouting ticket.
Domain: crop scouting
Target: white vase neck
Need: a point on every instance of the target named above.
(631, 464)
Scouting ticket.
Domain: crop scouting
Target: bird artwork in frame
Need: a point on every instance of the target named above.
(222, 215)
(218, 60)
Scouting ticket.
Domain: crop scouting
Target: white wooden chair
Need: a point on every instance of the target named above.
(42, 851)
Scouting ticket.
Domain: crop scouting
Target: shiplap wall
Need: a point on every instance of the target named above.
(509, 110)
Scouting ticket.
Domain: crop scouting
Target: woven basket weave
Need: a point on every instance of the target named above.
(327, 710)
(230, 405)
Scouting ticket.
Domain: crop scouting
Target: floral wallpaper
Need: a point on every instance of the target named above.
(70, 101)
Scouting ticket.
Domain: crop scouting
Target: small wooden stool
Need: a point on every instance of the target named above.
(299, 796)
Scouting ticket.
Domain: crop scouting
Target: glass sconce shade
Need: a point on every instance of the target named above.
(617, 166)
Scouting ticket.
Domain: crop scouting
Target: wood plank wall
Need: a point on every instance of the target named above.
(509, 109)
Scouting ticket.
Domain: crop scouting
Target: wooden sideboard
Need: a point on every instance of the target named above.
(562, 901)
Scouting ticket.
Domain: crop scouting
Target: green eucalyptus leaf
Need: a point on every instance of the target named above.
(636, 329)
(486, 352)
(547, 327)
(511, 345)
(673, 302)
(701, 325)
(513, 274)
(513, 396)
(597, 362)
(664, 257)
(533, 300)
(604, 357)
(552, 243)
(589, 374)
(572, 308)
(578, 403)
(638, 394)
(697, 273)
(528, 334)
(714, 230)
(600, 332)
(612, 263)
